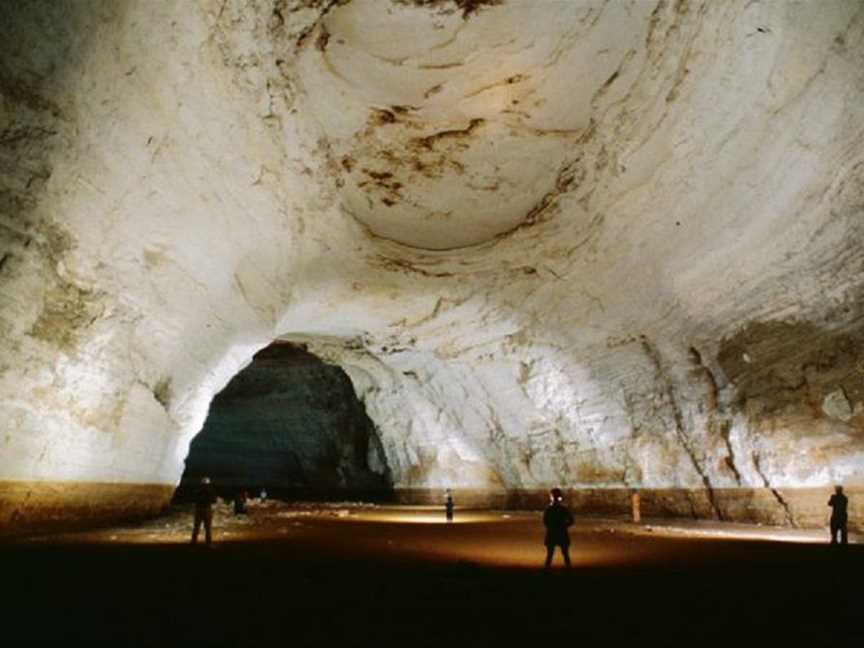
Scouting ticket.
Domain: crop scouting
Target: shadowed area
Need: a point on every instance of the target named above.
(356, 575)
(293, 424)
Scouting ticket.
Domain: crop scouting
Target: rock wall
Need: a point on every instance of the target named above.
(602, 245)
(292, 424)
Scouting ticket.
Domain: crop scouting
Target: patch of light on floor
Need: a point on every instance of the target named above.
(804, 536)
(425, 515)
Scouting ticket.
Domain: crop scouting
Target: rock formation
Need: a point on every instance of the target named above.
(292, 424)
(597, 244)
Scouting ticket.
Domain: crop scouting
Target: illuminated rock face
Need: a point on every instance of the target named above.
(602, 245)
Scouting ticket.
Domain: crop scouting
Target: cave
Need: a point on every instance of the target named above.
(484, 247)
(289, 425)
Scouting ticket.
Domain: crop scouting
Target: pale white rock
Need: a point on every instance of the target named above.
(837, 406)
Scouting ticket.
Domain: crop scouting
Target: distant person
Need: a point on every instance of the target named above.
(448, 506)
(204, 500)
(240, 502)
(557, 520)
(839, 517)
(636, 506)
(263, 495)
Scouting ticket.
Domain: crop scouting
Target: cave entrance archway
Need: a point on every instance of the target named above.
(293, 425)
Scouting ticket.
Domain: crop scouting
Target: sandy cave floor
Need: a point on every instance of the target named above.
(364, 574)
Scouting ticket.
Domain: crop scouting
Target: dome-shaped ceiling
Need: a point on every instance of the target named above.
(448, 129)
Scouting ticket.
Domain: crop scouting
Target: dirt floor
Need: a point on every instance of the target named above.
(369, 575)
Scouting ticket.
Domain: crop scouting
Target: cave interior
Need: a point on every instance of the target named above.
(363, 253)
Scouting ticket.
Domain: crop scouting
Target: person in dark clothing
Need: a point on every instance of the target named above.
(557, 520)
(839, 517)
(204, 500)
(240, 502)
(448, 506)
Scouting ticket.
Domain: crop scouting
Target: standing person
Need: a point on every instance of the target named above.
(204, 500)
(557, 520)
(240, 502)
(635, 506)
(448, 506)
(839, 518)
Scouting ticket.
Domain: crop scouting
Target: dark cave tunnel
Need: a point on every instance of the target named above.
(292, 425)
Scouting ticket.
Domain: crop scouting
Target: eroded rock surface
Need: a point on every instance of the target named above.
(597, 244)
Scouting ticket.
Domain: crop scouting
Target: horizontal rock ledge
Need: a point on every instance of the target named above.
(42, 506)
(807, 507)
(49, 506)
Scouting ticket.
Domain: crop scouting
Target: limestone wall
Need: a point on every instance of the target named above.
(594, 244)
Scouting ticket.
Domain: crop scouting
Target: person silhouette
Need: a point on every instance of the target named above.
(635, 506)
(557, 520)
(240, 498)
(839, 518)
(204, 499)
(448, 506)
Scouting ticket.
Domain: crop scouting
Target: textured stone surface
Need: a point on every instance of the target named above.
(801, 507)
(594, 244)
(50, 506)
(293, 424)
(836, 405)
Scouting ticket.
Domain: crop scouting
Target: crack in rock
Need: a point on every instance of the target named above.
(787, 511)
(680, 430)
(725, 429)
